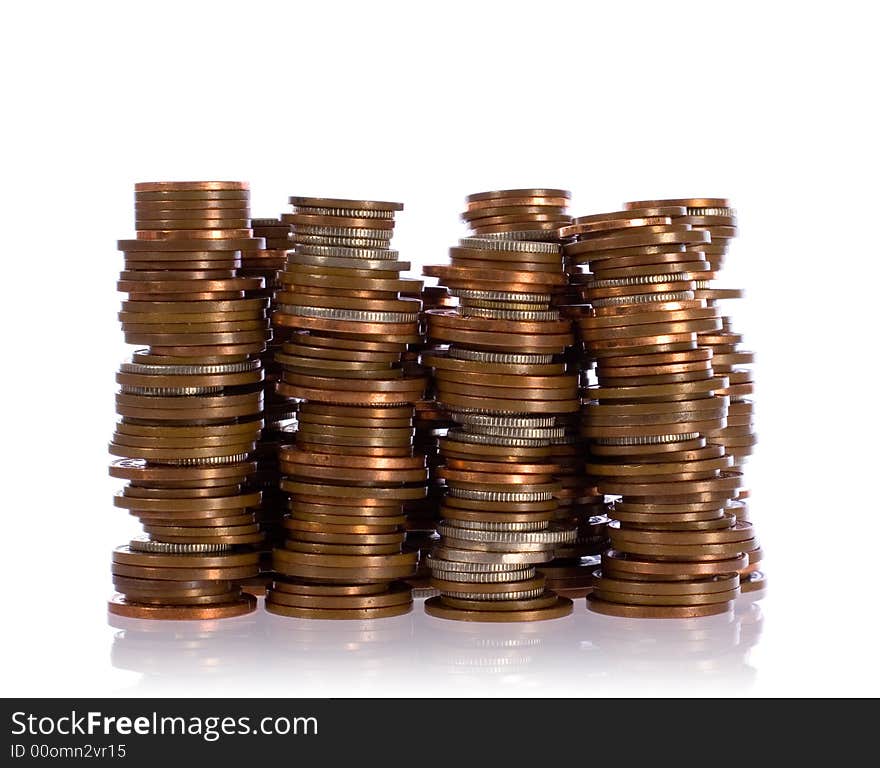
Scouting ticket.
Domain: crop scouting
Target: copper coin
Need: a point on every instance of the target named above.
(434, 607)
(184, 574)
(394, 595)
(755, 581)
(353, 614)
(154, 246)
(619, 565)
(656, 611)
(507, 201)
(292, 454)
(548, 600)
(348, 550)
(119, 606)
(328, 590)
(628, 598)
(190, 186)
(518, 193)
(151, 599)
(183, 209)
(720, 585)
(124, 584)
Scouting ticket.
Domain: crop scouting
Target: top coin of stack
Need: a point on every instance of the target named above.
(677, 545)
(190, 404)
(352, 466)
(500, 375)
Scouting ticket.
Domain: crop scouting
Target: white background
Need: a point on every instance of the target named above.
(770, 104)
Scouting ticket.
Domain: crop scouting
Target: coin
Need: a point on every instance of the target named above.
(120, 606)
(542, 602)
(357, 614)
(656, 611)
(395, 595)
(436, 608)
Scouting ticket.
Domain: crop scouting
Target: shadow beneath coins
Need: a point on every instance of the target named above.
(416, 654)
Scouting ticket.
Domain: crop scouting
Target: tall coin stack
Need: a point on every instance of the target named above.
(676, 544)
(190, 403)
(352, 466)
(718, 218)
(502, 379)
(279, 414)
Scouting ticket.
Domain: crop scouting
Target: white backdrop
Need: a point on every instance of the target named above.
(769, 104)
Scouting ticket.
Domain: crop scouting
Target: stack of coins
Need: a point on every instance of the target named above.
(502, 379)
(278, 413)
(676, 543)
(717, 217)
(190, 403)
(352, 466)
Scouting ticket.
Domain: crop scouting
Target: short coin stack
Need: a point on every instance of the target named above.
(190, 403)
(352, 466)
(677, 546)
(502, 380)
(718, 218)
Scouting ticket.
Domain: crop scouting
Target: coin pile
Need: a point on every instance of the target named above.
(352, 465)
(717, 217)
(278, 412)
(676, 543)
(190, 403)
(501, 376)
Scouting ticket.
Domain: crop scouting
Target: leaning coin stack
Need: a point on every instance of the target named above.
(718, 218)
(502, 379)
(676, 544)
(190, 403)
(278, 412)
(352, 465)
